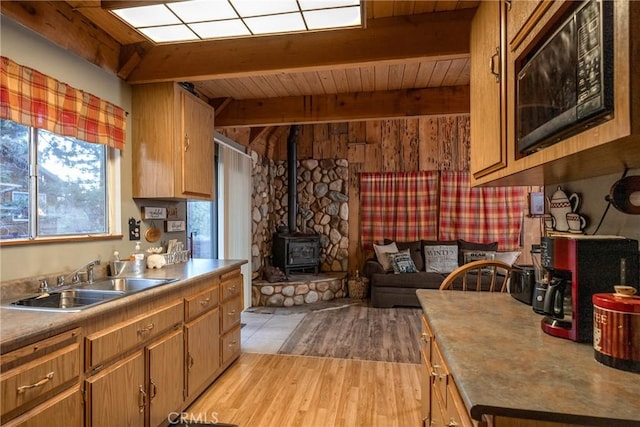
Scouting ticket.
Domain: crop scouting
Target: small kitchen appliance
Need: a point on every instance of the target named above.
(580, 266)
(522, 283)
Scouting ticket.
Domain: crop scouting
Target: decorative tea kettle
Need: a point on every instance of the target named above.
(560, 205)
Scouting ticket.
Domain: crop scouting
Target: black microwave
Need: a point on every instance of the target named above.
(565, 83)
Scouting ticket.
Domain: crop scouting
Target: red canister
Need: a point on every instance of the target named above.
(616, 331)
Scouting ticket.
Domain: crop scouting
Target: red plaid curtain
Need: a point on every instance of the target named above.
(399, 206)
(33, 99)
(481, 214)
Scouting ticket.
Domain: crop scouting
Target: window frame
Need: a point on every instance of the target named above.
(113, 201)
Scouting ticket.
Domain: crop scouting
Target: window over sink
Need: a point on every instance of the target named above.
(51, 185)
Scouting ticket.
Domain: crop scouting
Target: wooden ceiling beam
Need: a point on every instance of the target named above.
(391, 40)
(345, 107)
(62, 25)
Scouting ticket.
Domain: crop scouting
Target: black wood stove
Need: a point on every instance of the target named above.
(293, 250)
(296, 251)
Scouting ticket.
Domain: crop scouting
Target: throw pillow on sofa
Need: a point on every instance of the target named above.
(464, 245)
(415, 249)
(507, 257)
(440, 257)
(402, 262)
(381, 251)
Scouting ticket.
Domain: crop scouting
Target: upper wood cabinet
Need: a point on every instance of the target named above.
(603, 149)
(173, 150)
(521, 16)
(488, 139)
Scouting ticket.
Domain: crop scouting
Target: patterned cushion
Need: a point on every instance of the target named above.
(402, 262)
(381, 251)
(415, 249)
(440, 257)
(463, 245)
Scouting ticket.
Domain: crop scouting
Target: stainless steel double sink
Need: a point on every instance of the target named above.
(82, 296)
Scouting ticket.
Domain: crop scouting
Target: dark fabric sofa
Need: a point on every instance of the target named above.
(389, 289)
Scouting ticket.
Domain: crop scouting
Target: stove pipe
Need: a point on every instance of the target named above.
(292, 158)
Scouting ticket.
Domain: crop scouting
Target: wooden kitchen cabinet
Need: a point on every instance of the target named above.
(442, 404)
(165, 359)
(65, 408)
(487, 90)
(230, 307)
(521, 16)
(116, 396)
(148, 384)
(202, 351)
(602, 149)
(173, 147)
(42, 377)
(141, 389)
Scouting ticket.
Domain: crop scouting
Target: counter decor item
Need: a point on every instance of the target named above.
(560, 205)
(616, 329)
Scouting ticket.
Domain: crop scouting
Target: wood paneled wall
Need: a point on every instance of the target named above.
(401, 145)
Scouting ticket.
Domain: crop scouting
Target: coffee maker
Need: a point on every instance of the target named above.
(578, 267)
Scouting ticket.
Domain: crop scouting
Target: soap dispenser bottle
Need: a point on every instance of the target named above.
(137, 259)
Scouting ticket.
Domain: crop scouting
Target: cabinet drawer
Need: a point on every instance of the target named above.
(457, 414)
(39, 378)
(231, 285)
(124, 336)
(426, 340)
(65, 408)
(440, 373)
(200, 302)
(230, 343)
(230, 314)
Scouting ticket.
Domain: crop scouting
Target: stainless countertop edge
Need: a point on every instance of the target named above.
(60, 322)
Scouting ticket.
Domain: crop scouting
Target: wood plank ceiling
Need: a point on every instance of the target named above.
(412, 59)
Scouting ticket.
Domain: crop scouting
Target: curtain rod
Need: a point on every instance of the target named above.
(230, 143)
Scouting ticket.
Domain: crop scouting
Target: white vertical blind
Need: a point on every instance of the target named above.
(234, 221)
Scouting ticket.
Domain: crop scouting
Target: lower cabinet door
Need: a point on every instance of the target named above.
(166, 377)
(116, 396)
(65, 409)
(203, 350)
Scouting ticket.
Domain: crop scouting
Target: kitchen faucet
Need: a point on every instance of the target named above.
(88, 267)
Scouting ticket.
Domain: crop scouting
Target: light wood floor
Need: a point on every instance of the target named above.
(265, 390)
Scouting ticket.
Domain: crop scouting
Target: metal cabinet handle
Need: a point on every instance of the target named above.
(187, 142)
(46, 379)
(142, 399)
(205, 301)
(153, 391)
(425, 337)
(452, 423)
(191, 362)
(492, 65)
(146, 329)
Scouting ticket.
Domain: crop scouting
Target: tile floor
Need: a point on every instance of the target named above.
(266, 332)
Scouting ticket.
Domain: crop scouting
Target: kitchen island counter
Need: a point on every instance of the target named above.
(503, 364)
(22, 327)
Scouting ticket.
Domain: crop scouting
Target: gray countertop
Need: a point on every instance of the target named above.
(22, 327)
(504, 364)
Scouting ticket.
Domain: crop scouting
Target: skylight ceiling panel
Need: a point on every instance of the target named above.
(220, 29)
(203, 10)
(169, 33)
(261, 7)
(332, 18)
(271, 24)
(147, 16)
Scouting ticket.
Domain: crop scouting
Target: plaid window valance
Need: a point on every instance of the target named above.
(34, 99)
(429, 205)
(401, 206)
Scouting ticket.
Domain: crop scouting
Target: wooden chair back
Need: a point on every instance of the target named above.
(488, 275)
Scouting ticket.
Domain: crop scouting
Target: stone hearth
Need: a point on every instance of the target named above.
(299, 289)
